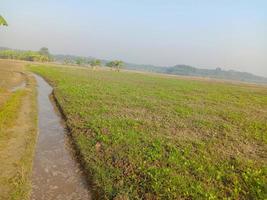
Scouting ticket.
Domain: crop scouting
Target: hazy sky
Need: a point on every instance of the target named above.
(231, 34)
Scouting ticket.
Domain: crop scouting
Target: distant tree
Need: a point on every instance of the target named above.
(80, 61)
(116, 64)
(3, 21)
(67, 61)
(110, 64)
(95, 63)
(98, 62)
(23, 55)
(45, 52)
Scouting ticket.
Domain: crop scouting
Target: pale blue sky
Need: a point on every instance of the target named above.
(231, 34)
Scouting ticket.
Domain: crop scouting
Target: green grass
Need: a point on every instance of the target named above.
(8, 111)
(153, 137)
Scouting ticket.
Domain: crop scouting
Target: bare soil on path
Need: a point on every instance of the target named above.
(17, 138)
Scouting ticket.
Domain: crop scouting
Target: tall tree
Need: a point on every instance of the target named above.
(110, 64)
(3, 21)
(80, 61)
(117, 64)
(95, 63)
(44, 51)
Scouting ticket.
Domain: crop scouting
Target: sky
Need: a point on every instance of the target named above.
(231, 34)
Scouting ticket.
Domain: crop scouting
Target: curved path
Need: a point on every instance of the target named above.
(56, 174)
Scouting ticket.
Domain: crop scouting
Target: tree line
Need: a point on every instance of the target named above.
(39, 56)
(44, 56)
(94, 63)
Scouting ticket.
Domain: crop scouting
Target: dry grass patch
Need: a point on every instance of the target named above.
(18, 129)
(11, 73)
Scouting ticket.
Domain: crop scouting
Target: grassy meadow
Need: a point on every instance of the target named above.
(17, 131)
(145, 136)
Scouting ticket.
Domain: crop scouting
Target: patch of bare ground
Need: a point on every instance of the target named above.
(11, 74)
(17, 139)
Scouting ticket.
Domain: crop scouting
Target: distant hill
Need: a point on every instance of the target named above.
(216, 73)
(4, 48)
(184, 70)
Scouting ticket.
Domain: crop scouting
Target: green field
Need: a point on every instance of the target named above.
(145, 136)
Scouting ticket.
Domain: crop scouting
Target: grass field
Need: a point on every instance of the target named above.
(17, 131)
(147, 136)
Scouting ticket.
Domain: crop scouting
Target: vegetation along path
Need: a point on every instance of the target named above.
(56, 175)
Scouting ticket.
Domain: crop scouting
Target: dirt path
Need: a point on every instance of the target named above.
(56, 174)
(19, 87)
(16, 149)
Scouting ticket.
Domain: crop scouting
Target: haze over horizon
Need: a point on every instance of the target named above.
(206, 34)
